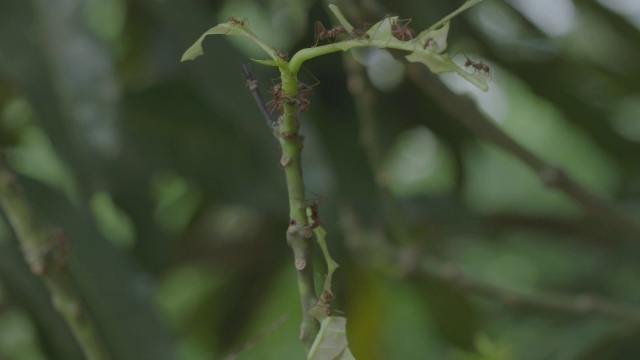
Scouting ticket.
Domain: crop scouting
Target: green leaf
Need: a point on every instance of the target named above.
(331, 264)
(227, 28)
(331, 342)
(267, 62)
(442, 63)
(426, 48)
(434, 40)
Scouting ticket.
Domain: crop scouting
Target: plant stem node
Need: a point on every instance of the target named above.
(300, 263)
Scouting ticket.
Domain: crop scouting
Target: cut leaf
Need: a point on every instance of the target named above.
(434, 40)
(427, 47)
(321, 235)
(436, 63)
(227, 28)
(331, 342)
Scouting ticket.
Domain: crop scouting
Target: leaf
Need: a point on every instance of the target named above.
(267, 62)
(442, 63)
(227, 28)
(221, 29)
(434, 40)
(331, 342)
(331, 264)
(426, 48)
(321, 311)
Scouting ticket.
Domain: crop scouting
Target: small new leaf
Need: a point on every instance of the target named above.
(322, 242)
(227, 28)
(331, 342)
(434, 40)
(427, 47)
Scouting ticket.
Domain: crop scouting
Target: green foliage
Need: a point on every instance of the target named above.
(97, 107)
(427, 47)
(331, 342)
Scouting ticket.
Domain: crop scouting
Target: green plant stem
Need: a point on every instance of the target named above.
(299, 233)
(47, 257)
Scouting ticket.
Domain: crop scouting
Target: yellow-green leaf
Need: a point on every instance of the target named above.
(331, 342)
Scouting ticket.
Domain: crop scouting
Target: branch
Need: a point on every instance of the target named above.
(406, 262)
(256, 339)
(378, 253)
(252, 85)
(47, 257)
(583, 304)
(464, 110)
(299, 233)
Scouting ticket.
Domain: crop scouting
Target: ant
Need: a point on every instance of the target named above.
(237, 21)
(326, 298)
(315, 216)
(276, 90)
(359, 34)
(302, 100)
(402, 32)
(321, 33)
(429, 42)
(303, 93)
(282, 55)
(480, 66)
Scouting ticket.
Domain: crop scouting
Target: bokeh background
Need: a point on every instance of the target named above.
(168, 182)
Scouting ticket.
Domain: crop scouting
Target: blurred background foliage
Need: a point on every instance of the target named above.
(169, 186)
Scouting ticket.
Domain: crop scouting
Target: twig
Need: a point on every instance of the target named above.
(47, 257)
(583, 304)
(378, 253)
(252, 85)
(256, 339)
(410, 264)
(299, 233)
(463, 110)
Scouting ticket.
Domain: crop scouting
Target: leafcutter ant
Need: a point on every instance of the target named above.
(282, 55)
(315, 217)
(359, 34)
(303, 92)
(276, 90)
(403, 32)
(429, 42)
(237, 21)
(326, 298)
(321, 33)
(480, 66)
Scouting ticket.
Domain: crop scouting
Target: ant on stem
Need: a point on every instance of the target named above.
(314, 214)
(359, 34)
(303, 92)
(321, 33)
(403, 32)
(282, 55)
